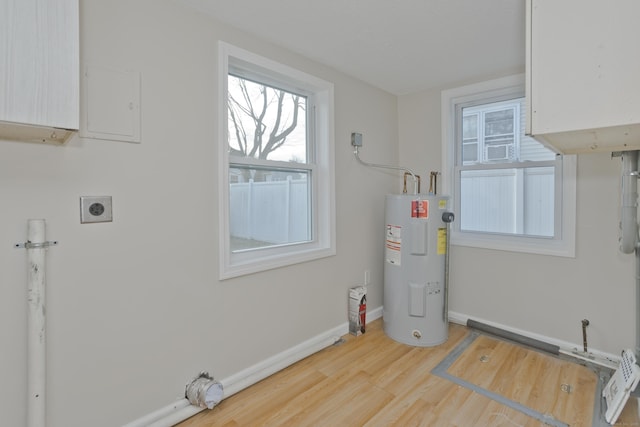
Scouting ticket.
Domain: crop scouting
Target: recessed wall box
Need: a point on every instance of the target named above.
(111, 104)
(356, 139)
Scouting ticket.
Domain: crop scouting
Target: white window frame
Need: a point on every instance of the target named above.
(563, 243)
(323, 239)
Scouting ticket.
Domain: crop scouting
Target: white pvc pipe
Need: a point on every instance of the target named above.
(36, 351)
(638, 305)
(629, 222)
(629, 208)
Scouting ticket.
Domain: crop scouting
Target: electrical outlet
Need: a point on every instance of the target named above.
(367, 277)
(95, 209)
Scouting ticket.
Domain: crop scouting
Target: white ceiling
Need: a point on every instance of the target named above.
(401, 46)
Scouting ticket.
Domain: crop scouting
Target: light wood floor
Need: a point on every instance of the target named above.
(372, 380)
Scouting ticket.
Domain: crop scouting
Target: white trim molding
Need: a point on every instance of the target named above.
(321, 131)
(181, 409)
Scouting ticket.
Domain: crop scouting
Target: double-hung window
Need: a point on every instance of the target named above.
(276, 163)
(509, 191)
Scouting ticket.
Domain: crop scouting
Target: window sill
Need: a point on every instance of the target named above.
(531, 245)
(251, 266)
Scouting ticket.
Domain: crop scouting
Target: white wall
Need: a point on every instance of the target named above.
(134, 307)
(540, 294)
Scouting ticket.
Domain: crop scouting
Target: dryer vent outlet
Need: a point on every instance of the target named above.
(95, 209)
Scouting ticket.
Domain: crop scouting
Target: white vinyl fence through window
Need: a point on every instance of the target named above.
(512, 201)
(275, 212)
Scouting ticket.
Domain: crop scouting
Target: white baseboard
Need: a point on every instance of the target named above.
(572, 349)
(374, 314)
(253, 374)
(267, 367)
(273, 364)
(270, 366)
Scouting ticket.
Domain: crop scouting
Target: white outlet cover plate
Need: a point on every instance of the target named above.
(95, 209)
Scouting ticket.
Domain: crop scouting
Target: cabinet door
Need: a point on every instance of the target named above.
(583, 70)
(39, 62)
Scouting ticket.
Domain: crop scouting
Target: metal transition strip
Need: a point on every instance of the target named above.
(531, 342)
(599, 403)
(441, 371)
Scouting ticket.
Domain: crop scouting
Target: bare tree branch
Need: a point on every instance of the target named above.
(271, 118)
(276, 139)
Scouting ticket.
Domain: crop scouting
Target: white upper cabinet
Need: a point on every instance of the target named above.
(583, 74)
(39, 69)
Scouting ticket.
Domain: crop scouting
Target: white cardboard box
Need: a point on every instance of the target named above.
(357, 310)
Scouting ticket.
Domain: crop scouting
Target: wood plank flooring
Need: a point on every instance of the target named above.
(372, 380)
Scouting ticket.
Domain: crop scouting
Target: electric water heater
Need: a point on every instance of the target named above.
(414, 301)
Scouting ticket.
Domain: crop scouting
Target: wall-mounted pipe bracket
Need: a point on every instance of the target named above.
(31, 245)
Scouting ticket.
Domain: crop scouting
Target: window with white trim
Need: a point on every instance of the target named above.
(276, 164)
(509, 191)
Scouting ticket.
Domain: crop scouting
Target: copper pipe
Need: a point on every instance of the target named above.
(404, 187)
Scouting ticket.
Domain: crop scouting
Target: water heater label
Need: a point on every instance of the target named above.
(442, 241)
(420, 209)
(393, 244)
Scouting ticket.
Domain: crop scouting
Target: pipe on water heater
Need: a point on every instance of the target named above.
(356, 142)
